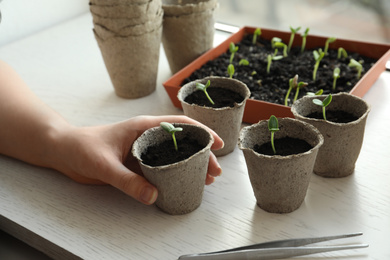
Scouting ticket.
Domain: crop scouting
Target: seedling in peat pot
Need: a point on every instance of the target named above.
(318, 55)
(256, 34)
(293, 32)
(336, 75)
(323, 104)
(230, 70)
(233, 49)
(292, 83)
(273, 126)
(355, 64)
(329, 40)
(341, 52)
(169, 128)
(304, 36)
(203, 88)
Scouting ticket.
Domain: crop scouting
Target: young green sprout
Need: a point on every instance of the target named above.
(299, 86)
(318, 55)
(355, 64)
(169, 128)
(282, 45)
(275, 40)
(329, 40)
(270, 58)
(304, 36)
(203, 88)
(232, 49)
(319, 92)
(293, 32)
(323, 104)
(273, 126)
(292, 83)
(336, 75)
(341, 52)
(243, 62)
(256, 34)
(230, 70)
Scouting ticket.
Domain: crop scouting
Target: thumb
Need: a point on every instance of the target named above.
(133, 185)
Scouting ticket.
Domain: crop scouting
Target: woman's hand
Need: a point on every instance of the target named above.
(101, 155)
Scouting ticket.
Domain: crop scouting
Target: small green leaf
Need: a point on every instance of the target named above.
(336, 72)
(169, 128)
(327, 100)
(273, 124)
(243, 62)
(317, 102)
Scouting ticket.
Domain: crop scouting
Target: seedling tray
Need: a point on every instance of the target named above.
(256, 110)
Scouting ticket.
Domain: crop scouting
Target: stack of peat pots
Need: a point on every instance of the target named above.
(128, 33)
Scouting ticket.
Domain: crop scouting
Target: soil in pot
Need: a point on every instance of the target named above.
(284, 146)
(222, 98)
(165, 153)
(337, 116)
(273, 87)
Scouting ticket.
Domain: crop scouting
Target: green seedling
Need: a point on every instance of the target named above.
(329, 40)
(270, 58)
(299, 86)
(275, 40)
(318, 55)
(336, 75)
(232, 49)
(292, 83)
(341, 52)
(323, 104)
(169, 128)
(357, 65)
(243, 62)
(273, 126)
(293, 32)
(281, 45)
(319, 92)
(304, 36)
(256, 34)
(230, 70)
(203, 88)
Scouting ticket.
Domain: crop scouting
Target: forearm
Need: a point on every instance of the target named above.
(27, 125)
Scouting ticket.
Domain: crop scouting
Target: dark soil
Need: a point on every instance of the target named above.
(273, 87)
(222, 97)
(165, 152)
(284, 146)
(336, 116)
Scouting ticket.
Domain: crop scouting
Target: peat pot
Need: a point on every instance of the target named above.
(180, 185)
(280, 182)
(225, 121)
(342, 141)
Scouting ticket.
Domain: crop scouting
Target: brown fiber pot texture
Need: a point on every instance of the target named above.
(342, 141)
(180, 185)
(225, 121)
(279, 182)
(188, 30)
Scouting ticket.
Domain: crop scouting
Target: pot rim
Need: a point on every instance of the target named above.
(319, 141)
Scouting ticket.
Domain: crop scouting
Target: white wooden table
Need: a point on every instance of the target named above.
(67, 220)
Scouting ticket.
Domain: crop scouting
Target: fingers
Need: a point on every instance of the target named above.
(213, 170)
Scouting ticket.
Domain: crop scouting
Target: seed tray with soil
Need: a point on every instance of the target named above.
(261, 106)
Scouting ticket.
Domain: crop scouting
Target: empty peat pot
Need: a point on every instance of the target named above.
(280, 182)
(342, 141)
(225, 121)
(180, 185)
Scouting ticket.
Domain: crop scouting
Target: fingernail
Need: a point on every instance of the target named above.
(149, 195)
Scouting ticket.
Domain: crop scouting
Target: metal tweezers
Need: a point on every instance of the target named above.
(277, 249)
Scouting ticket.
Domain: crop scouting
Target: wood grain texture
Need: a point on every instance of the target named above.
(67, 220)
